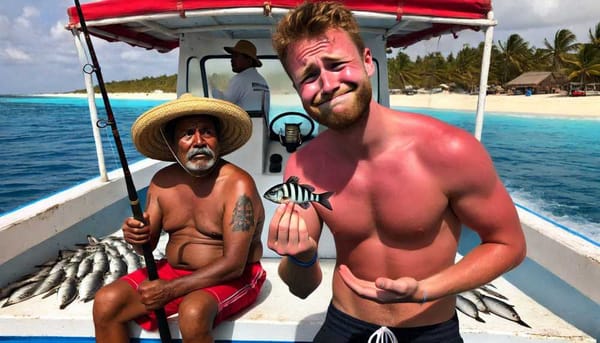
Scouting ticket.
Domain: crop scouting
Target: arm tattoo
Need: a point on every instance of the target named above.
(243, 214)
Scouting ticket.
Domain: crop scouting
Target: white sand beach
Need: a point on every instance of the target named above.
(134, 96)
(544, 104)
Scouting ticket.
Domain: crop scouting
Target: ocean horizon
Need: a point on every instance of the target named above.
(548, 164)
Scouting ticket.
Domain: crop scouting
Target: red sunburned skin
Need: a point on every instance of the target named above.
(327, 76)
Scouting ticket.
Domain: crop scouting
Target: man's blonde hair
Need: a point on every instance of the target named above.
(312, 19)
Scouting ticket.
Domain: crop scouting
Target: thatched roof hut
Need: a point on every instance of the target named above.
(537, 81)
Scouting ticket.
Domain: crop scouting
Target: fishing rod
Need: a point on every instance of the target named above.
(163, 325)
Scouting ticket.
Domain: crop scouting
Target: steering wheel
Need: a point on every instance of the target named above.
(275, 135)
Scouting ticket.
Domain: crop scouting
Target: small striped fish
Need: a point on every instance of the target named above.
(303, 195)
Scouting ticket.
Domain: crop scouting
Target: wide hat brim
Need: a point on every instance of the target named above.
(235, 125)
(232, 49)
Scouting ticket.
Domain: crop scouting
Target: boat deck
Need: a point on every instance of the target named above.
(278, 316)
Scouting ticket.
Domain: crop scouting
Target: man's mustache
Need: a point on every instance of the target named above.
(203, 150)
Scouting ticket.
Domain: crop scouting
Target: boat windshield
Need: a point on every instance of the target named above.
(216, 71)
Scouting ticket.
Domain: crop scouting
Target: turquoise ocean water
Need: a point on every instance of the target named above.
(550, 165)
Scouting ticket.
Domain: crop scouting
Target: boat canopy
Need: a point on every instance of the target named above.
(159, 24)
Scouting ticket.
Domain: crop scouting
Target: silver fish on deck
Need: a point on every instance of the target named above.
(133, 261)
(7, 290)
(301, 194)
(502, 309)
(111, 277)
(467, 307)
(488, 289)
(89, 285)
(75, 273)
(100, 261)
(117, 266)
(67, 292)
(50, 282)
(475, 297)
(21, 294)
(85, 266)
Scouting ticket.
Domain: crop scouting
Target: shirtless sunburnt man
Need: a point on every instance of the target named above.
(403, 185)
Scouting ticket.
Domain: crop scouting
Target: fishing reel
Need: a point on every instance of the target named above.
(291, 136)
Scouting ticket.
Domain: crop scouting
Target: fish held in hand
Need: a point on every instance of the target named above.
(301, 194)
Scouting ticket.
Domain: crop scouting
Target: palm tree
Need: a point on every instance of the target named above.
(564, 43)
(595, 36)
(595, 41)
(401, 71)
(467, 66)
(432, 70)
(541, 61)
(515, 56)
(585, 65)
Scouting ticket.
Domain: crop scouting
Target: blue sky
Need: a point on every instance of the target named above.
(38, 55)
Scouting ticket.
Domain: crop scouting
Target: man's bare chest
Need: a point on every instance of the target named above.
(185, 213)
(394, 203)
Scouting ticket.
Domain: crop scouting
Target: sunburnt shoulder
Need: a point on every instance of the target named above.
(453, 153)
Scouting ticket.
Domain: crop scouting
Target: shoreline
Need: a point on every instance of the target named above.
(549, 105)
(131, 96)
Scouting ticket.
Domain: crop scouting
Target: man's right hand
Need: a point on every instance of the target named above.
(135, 232)
(288, 234)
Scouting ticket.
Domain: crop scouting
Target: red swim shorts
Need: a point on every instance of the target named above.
(232, 297)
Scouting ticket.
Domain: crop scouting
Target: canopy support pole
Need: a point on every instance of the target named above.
(89, 86)
(483, 79)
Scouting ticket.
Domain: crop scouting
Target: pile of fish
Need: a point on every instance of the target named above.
(76, 274)
(474, 302)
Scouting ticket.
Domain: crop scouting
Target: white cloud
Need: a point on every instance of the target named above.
(4, 26)
(23, 22)
(16, 55)
(537, 14)
(29, 12)
(132, 55)
(30, 62)
(58, 31)
(534, 20)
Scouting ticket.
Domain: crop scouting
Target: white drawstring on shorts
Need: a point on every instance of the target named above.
(383, 335)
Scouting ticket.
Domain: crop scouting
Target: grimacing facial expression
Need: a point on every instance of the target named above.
(196, 142)
(332, 78)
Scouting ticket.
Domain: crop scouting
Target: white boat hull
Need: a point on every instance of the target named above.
(277, 316)
(562, 270)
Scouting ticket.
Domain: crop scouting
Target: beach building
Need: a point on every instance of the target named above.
(535, 82)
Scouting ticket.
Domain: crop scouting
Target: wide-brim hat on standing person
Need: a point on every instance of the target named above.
(246, 48)
(147, 132)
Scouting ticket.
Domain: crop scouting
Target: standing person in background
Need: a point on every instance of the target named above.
(404, 185)
(213, 215)
(247, 89)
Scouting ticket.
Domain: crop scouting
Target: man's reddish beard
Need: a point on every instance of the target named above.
(341, 121)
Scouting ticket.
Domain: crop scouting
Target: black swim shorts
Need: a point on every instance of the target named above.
(342, 328)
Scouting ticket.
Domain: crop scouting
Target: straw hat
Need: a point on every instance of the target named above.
(235, 126)
(245, 47)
